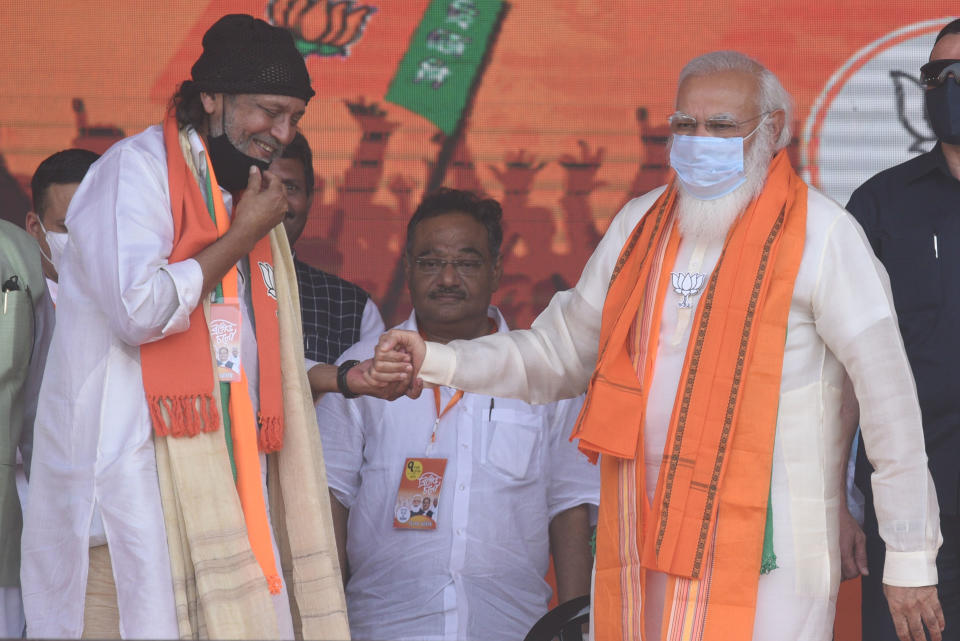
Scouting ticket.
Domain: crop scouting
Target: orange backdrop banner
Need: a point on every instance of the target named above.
(567, 119)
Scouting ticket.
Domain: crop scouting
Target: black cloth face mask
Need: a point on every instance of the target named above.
(231, 166)
(942, 99)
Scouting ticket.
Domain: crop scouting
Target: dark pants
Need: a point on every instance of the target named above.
(877, 623)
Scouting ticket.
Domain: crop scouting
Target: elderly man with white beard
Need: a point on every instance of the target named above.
(716, 329)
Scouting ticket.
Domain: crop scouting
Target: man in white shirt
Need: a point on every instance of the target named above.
(727, 308)
(447, 507)
(53, 185)
(175, 249)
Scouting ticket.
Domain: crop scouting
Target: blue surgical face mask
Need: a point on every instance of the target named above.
(709, 167)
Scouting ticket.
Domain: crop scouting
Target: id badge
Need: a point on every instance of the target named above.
(418, 505)
(225, 339)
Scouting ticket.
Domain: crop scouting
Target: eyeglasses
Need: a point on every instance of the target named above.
(463, 266)
(719, 126)
(936, 72)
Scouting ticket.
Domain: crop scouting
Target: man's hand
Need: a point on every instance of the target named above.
(914, 608)
(261, 208)
(853, 547)
(360, 381)
(398, 356)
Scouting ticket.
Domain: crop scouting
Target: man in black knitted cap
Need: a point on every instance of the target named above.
(176, 250)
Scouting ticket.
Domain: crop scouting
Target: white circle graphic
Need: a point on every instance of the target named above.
(870, 114)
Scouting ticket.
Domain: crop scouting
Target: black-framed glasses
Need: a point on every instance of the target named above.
(719, 126)
(935, 73)
(463, 266)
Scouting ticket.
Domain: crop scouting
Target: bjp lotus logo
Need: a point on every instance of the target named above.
(687, 285)
(322, 27)
(869, 115)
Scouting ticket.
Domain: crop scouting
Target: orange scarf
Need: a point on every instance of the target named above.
(719, 447)
(178, 373)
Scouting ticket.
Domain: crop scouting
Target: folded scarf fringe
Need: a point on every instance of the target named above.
(183, 416)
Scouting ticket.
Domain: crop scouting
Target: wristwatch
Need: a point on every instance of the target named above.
(345, 367)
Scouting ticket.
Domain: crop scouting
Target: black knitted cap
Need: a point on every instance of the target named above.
(242, 54)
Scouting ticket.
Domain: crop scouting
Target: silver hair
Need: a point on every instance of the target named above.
(773, 96)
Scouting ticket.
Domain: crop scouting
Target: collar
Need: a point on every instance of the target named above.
(924, 164)
(198, 153)
(492, 312)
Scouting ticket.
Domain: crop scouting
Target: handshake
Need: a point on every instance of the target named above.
(393, 370)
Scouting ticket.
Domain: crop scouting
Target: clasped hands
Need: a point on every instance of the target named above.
(393, 370)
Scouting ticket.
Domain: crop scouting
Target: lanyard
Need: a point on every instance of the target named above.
(453, 401)
(440, 414)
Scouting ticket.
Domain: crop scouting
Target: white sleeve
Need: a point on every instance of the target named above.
(371, 323)
(121, 236)
(573, 479)
(853, 312)
(341, 434)
(553, 359)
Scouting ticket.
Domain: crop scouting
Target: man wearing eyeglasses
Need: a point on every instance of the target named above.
(910, 216)
(714, 329)
(494, 484)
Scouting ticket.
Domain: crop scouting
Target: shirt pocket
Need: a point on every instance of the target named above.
(914, 270)
(510, 439)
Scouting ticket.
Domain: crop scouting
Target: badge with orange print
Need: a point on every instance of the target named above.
(224, 326)
(418, 497)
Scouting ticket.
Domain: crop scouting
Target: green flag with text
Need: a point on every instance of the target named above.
(436, 75)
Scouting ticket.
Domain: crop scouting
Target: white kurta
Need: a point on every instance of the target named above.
(93, 445)
(841, 322)
(510, 470)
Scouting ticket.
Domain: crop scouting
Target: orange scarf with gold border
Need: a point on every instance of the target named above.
(708, 513)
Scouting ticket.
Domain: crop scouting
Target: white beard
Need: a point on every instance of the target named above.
(710, 220)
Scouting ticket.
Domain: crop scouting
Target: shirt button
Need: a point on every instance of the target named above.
(462, 487)
(464, 445)
(459, 532)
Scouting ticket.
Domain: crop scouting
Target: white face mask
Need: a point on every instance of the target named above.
(709, 167)
(56, 241)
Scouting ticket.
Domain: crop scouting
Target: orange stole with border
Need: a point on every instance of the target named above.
(719, 446)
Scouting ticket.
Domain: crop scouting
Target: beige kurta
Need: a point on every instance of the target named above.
(841, 322)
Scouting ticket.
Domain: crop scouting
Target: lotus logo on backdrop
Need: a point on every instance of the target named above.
(321, 27)
(870, 115)
(910, 111)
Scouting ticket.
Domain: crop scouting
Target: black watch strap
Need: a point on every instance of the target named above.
(345, 367)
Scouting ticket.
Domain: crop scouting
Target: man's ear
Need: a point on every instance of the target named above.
(211, 101)
(33, 226)
(497, 272)
(778, 118)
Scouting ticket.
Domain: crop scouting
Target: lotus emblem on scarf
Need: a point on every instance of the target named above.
(266, 270)
(321, 27)
(687, 285)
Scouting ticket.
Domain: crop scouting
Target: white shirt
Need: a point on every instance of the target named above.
(841, 323)
(93, 442)
(510, 470)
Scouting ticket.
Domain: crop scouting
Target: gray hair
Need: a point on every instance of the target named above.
(773, 96)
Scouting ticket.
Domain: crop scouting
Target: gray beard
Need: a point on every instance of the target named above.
(710, 220)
